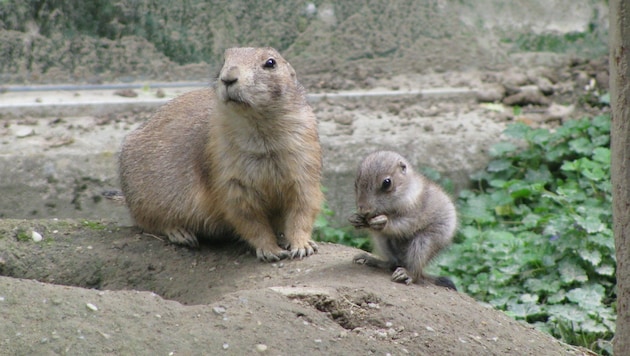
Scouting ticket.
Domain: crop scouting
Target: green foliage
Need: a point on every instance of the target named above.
(23, 235)
(536, 236)
(94, 225)
(445, 182)
(589, 41)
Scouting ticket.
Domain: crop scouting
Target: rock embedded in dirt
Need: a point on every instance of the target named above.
(528, 96)
(602, 79)
(36, 236)
(126, 93)
(559, 112)
(543, 72)
(513, 78)
(490, 93)
(24, 132)
(544, 85)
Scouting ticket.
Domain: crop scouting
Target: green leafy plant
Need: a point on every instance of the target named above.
(23, 235)
(536, 234)
(94, 225)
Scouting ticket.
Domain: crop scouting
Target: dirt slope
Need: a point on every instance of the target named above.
(97, 285)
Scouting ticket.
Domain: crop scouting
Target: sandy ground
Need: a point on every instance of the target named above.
(99, 289)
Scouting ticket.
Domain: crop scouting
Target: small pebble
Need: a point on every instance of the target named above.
(218, 310)
(24, 132)
(36, 236)
(261, 347)
(106, 336)
(126, 93)
(225, 346)
(91, 306)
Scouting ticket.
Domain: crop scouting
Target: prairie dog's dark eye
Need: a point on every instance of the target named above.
(387, 183)
(270, 63)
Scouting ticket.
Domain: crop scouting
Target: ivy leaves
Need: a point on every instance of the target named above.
(536, 236)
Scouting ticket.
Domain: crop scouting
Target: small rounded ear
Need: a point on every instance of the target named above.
(403, 167)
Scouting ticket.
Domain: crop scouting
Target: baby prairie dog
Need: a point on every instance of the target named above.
(410, 218)
(241, 158)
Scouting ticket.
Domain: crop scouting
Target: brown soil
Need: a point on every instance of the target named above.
(92, 288)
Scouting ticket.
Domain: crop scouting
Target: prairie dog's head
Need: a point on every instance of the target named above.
(258, 78)
(386, 184)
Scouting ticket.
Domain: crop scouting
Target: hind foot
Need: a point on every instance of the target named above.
(181, 236)
(401, 275)
(362, 259)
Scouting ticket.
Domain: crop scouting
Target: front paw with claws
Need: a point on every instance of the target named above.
(302, 251)
(272, 256)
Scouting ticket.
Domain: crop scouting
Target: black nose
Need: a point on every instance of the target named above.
(228, 81)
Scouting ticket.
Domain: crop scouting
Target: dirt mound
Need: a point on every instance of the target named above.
(221, 299)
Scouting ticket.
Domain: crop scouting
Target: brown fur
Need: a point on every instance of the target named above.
(240, 158)
(410, 218)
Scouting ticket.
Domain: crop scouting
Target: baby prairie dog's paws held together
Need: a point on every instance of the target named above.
(358, 221)
(377, 222)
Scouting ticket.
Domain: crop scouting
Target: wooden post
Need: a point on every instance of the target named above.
(619, 44)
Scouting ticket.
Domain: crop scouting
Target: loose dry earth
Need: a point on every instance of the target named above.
(100, 289)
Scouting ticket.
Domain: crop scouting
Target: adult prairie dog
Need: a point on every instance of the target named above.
(241, 158)
(410, 218)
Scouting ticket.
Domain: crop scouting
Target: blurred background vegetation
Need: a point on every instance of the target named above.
(123, 40)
